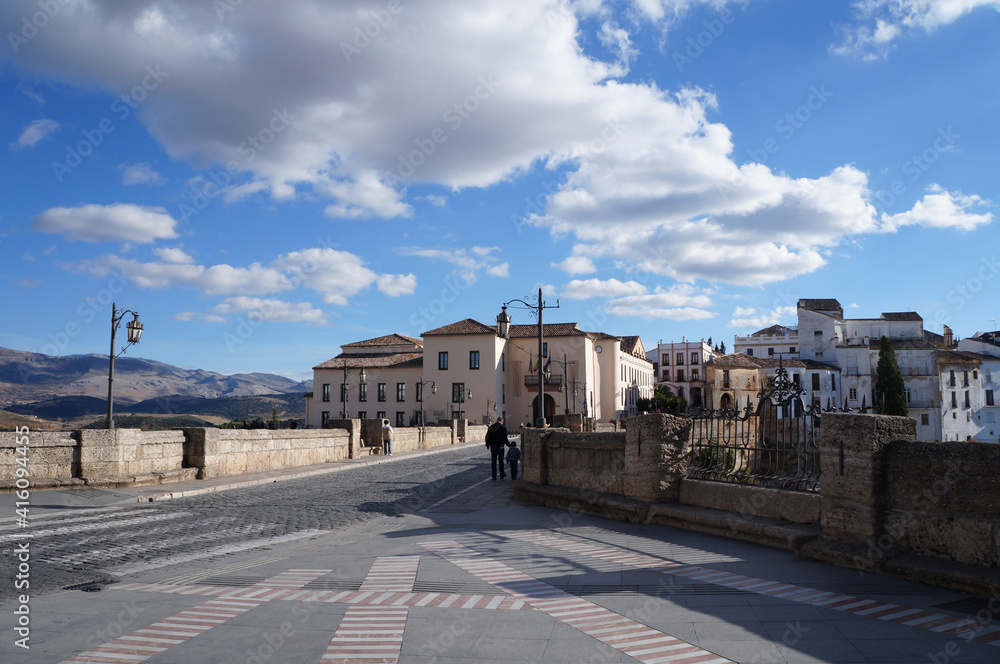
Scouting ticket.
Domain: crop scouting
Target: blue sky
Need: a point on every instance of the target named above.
(263, 182)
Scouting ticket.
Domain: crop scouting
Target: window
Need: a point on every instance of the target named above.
(666, 374)
(750, 352)
(791, 349)
(381, 391)
(457, 392)
(908, 395)
(326, 391)
(852, 394)
(987, 376)
(815, 382)
(362, 414)
(680, 359)
(975, 375)
(380, 415)
(818, 333)
(796, 380)
(325, 418)
(852, 365)
(989, 398)
(680, 375)
(443, 361)
(954, 400)
(420, 391)
(473, 359)
(770, 352)
(400, 391)
(666, 359)
(967, 404)
(363, 392)
(503, 362)
(694, 358)
(951, 382)
(400, 418)
(694, 374)
(965, 379)
(833, 382)
(925, 419)
(725, 378)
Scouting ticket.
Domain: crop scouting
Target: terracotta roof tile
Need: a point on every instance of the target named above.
(374, 360)
(549, 330)
(467, 326)
(388, 340)
(902, 316)
(820, 305)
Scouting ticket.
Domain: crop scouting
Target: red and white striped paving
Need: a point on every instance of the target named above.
(984, 632)
(392, 573)
(636, 640)
(368, 634)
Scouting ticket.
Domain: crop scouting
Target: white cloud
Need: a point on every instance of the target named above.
(679, 302)
(271, 310)
(940, 209)
(651, 181)
(750, 317)
(470, 262)
(35, 132)
(883, 21)
(501, 270)
(576, 265)
(188, 316)
(140, 174)
(173, 255)
(583, 289)
(395, 285)
(103, 223)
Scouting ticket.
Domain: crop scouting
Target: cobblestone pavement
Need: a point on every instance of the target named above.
(70, 547)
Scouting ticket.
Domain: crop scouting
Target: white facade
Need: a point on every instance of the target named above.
(775, 341)
(986, 347)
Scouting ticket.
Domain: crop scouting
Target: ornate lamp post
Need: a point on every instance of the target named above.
(134, 332)
(503, 331)
(423, 413)
(343, 390)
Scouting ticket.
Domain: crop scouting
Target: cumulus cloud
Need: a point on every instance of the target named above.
(941, 209)
(576, 265)
(883, 21)
(140, 174)
(271, 310)
(284, 95)
(334, 275)
(751, 317)
(35, 132)
(583, 289)
(679, 302)
(469, 263)
(103, 223)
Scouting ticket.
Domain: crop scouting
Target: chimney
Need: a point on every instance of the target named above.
(949, 337)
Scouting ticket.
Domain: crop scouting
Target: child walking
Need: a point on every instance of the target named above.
(513, 457)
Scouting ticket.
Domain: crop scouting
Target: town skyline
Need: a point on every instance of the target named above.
(666, 169)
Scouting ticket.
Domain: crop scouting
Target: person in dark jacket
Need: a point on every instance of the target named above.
(513, 457)
(496, 441)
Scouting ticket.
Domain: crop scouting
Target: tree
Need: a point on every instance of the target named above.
(890, 390)
(276, 423)
(666, 401)
(722, 347)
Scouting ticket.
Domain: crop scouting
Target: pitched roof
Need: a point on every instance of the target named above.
(742, 361)
(821, 305)
(961, 357)
(633, 346)
(374, 360)
(775, 331)
(902, 316)
(548, 330)
(467, 326)
(388, 340)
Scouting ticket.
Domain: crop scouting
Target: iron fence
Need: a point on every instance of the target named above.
(773, 442)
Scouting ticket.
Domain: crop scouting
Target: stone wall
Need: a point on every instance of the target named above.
(224, 452)
(50, 455)
(558, 457)
(943, 500)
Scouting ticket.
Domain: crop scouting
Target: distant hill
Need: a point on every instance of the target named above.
(32, 377)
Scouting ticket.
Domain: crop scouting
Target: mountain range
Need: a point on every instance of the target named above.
(27, 377)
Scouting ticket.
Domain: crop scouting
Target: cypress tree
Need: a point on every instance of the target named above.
(890, 390)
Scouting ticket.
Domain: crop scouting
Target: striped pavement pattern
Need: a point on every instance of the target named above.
(153, 639)
(636, 640)
(967, 628)
(392, 573)
(357, 597)
(368, 634)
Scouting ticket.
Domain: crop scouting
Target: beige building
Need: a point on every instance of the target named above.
(465, 370)
(681, 367)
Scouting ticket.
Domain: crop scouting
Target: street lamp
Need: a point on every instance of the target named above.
(343, 390)
(461, 400)
(134, 332)
(434, 390)
(503, 331)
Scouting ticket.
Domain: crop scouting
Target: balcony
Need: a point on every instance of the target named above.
(532, 379)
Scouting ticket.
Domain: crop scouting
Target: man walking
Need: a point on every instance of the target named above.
(496, 441)
(386, 438)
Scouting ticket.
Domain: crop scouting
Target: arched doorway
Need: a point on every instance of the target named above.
(726, 402)
(550, 409)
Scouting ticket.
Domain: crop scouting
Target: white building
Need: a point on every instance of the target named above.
(986, 347)
(774, 341)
